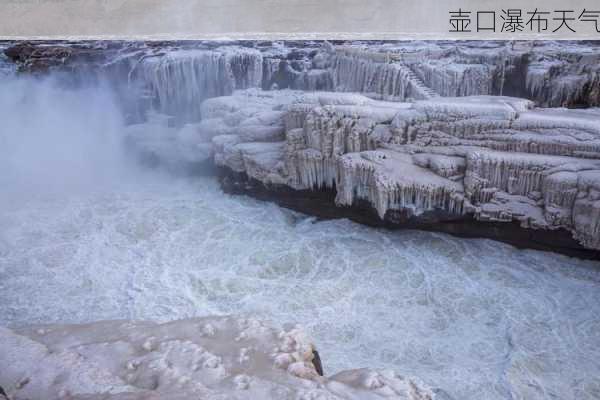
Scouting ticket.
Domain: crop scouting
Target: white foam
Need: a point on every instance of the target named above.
(474, 317)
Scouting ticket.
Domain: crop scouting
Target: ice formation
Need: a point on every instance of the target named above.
(375, 75)
(407, 128)
(552, 74)
(464, 154)
(490, 157)
(209, 358)
(372, 109)
(6, 67)
(176, 75)
(181, 79)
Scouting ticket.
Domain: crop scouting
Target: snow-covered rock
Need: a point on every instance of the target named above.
(175, 76)
(472, 153)
(181, 79)
(490, 158)
(208, 358)
(551, 73)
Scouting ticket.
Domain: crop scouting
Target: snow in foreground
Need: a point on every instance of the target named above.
(207, 358)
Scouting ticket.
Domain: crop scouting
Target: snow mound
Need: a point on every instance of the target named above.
(208, 358)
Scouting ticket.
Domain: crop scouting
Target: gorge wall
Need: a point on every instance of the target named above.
(399, 134)
(552, 74)
(422, 164)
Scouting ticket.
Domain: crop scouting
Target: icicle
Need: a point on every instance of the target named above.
(182, 79)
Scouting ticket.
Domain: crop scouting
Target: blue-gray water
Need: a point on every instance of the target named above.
(86, 235)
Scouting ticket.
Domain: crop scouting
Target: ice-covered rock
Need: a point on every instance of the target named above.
(175, 75)
(209, 358)
(181, 79)
(489, 158)
(392, 181)
(551, 73)
(567, 75)
(376, 77)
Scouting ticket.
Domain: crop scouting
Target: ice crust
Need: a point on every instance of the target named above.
(181, 79)
(492, 157)
(209, 358)
(551, 73)
(172, 76)
(177, 78)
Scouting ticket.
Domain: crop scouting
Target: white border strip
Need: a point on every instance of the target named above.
(277, 19)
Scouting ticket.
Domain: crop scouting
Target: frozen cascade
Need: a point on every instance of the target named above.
(552, 77)
(270, 68)
(559, 83)
(373, 77)
(451, 79)
(396, 184)
(550, 73)
(182, 79)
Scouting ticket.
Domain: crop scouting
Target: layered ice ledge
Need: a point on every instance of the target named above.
(480, 157)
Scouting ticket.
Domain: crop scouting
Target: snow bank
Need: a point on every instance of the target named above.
(208, 358)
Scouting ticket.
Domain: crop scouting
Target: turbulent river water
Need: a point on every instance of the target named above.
(479, 319)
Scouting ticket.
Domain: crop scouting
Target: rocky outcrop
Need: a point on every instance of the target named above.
(38, 58)
(172, 73)
(209, 358)
(404, 146)
(480, 158)
(550, 73)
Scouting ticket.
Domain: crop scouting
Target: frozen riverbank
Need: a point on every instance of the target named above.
(210, 358)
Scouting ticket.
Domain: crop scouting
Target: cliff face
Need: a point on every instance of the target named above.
(551, 74)
(484, 158)
(414, 131)
(178, 74)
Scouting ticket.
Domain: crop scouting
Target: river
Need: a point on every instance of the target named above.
(85, 234)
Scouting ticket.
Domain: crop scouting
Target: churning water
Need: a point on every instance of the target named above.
(85, 236)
